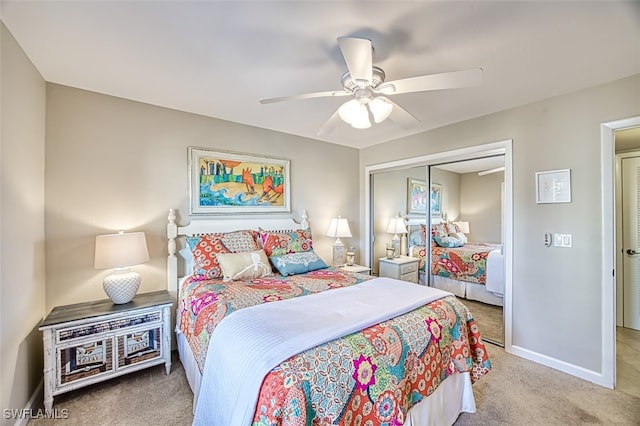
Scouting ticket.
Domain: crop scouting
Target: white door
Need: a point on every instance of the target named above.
(631, 241)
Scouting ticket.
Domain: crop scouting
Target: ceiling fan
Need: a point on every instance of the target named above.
(365, 82)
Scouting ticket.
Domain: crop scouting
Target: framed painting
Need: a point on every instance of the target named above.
(227, 182)
(553, 186)
(416, 196)
(436, 199)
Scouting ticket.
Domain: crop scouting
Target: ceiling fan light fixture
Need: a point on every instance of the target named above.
(380, 109)
(355, 113)
(366, 83)
(361, 118)
(349, 110)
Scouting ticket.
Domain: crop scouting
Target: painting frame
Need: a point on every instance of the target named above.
(553, 186)
(225, 182)
(435, 198)
(416, 196)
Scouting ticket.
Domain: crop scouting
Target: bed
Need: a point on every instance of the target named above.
(471, 270)
(281, 345)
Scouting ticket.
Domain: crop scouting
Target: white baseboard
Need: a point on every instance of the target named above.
(565, 367)
(32, 404)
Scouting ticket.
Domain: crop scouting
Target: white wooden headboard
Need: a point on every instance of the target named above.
(220, 224)
(415, 221)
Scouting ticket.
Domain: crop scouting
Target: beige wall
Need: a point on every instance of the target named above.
(22, 285)
(117, 164)
(480, 205)
(556, 292)
(389, 199)
(450, 191)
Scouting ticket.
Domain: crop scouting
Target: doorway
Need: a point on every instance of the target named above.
(627, 150)
(609, 226)
(373, 235)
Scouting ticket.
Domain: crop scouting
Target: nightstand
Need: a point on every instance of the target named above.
(401, 268)
(86, 343)
(356, 268)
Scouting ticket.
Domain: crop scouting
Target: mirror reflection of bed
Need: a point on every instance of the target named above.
(471, 197)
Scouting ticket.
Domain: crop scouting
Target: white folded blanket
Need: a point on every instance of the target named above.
(495, 273)
(250, 342)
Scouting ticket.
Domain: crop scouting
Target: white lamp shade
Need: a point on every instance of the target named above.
(120, 250)
(349, 110)
(462, 226)
(380, 108)
(339, 228)
(396, 226)
(361, 118)
(355, 113)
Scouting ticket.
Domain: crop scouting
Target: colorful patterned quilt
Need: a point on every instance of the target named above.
(370, 377)
(467, 263)
(203, 304)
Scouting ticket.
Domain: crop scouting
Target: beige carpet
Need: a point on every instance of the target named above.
(515, 392)
(521, 392)
(146, 397)
(489, 318)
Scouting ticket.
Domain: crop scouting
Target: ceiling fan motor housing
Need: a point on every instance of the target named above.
(351, 85)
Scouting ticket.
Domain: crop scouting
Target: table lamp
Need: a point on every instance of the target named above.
(339, 228)
(396, 226)
(119, 252)
(462, 226)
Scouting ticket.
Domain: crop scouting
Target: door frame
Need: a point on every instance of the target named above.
(619, 255)
(501, 147)
(608, 227)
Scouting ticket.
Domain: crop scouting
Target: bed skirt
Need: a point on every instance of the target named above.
(470, 291)
(190, 366)
(442, 407)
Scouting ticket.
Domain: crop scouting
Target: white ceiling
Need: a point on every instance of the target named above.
(218, 58)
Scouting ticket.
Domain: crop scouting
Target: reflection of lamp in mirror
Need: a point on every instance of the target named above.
(462, 226)
(339, 228)
(351, 256)
(119, 252)
(396, 226)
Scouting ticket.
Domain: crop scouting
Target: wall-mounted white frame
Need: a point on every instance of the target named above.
(553, 186)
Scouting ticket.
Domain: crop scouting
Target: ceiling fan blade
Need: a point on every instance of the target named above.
(331, 124)
(401, 116)
(357, 53)
(327, 94)
(446, 80)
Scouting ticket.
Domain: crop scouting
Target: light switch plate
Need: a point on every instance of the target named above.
(563, 240)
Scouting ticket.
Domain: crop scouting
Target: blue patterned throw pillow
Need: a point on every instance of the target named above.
(448, 242)
(297, 263)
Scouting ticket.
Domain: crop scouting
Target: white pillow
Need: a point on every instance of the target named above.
(460, 236)
(416, 238)
(187, 255)
(243, 266)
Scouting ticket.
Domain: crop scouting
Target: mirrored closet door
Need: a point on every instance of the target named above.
(463, 200)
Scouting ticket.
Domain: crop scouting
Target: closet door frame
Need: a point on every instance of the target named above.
(494, 148)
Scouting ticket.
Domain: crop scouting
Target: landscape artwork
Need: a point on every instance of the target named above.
(417, 197)
(436, 199)
(226, 182)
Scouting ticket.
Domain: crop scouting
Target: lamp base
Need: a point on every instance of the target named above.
(121, 287)
(395, 243)
(339, 256)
